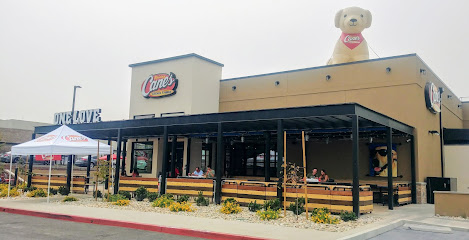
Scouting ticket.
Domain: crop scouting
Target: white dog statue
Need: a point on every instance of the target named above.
(351, 46)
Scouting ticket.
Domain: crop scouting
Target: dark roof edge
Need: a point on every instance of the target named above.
(175, 58)
(319, 67)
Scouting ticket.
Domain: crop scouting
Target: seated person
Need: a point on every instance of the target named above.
(197, 173)
(135, 174)
(324, 177)
(314, 174)
(210, 173)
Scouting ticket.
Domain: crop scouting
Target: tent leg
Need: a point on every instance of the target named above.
(48, 183)
(71, 173)
(9, 174)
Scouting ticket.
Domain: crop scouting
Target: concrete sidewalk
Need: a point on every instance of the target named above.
(421, 212)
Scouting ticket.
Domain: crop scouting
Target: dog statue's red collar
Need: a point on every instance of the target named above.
(351, 40)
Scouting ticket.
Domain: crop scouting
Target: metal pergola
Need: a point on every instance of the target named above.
(350, 117)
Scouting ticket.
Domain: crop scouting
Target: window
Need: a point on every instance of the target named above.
(206, 157)
(142, 156)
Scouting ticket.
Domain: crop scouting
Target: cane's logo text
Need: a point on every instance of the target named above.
(75, 138)
(160, 85)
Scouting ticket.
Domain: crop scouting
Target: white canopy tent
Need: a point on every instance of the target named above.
(61, 141)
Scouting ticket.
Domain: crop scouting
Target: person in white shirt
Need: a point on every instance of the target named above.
(197, 172)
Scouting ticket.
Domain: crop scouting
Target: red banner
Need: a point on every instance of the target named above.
(48, 157)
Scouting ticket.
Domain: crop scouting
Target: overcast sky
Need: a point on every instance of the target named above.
(47, 47)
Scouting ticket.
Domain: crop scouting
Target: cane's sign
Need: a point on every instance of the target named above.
(432, 98)
(74, 138)
(159, 85)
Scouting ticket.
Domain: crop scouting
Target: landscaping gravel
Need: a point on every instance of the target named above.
(213, 211)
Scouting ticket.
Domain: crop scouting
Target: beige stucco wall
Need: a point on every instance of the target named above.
(457, 164)
(398, 94)
(452, 204)
(197, 91)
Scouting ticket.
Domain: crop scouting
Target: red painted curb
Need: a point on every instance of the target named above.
(133, 225)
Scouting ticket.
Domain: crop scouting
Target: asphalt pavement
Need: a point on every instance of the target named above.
(21, 227)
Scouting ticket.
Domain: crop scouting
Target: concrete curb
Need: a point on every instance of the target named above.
(133, 225)
(374, 231)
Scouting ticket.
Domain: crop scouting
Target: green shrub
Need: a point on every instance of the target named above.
(322, 215)
(37, 193)
(152, 196)
(273, 204)
(97, 194)
(29, 189)
(181, 207)
(53, 191)
(183, 198)
(116, 197)
(348, 216)
(298, 208)
(201, 200)
(141, 193)
(230, 207)
(126, 194)
(254, 206)
(269, 214)
(64, 191)
(122, 202)
(69, 199)
(231, 200)
(162, 202)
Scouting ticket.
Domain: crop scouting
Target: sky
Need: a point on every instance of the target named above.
(47, 47)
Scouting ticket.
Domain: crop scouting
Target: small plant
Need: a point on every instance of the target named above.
(126, 194)
(183, 198)
(168, 195)
(268, 214)
(232, 200)
(70, 199)
(141, 193)
(21, 186)
(116, 197)
(37, 193)
(230, 208)
(152, 196)
(162, 202)
(122, 202)
(254, 206)
(322, 215)
(201, 200)
(64, 191)
(53, 191)
(29, 189)
(273, 204)
(97, 194)
(348, 216)
(298, 207)
(180, 207)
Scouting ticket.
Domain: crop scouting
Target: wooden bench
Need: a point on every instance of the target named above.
(190, 186)
(41, 181)
(130, 184)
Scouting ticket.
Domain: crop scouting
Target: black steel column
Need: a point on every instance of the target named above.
(279, 157)
(413, 170)
(16, 177)
(124, 155)
(219, 164)
(173, 156)
(69, 171)
(108, 158)
(31, 163)
(267, 157)
(88, 168)
(118, 162)
(355, 166)
(165, 160)
(389, 153)
(442, 142)
(188, 151)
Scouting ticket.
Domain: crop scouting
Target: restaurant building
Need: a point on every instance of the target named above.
(183, 115)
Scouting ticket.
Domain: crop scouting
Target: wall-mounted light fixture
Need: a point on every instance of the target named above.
(233, 88)
(242, 139)
(423, 71)
(388, 70)
(206, 140)
(328, 77)
(459, 106)
(370, 140)
(434, 132)
(450, 96)
(277, 83)
(306, 137)
(408, 140)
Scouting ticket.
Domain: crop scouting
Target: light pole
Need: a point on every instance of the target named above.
(73, 105)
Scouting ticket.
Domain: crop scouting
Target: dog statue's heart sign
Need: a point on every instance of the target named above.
(351, 40)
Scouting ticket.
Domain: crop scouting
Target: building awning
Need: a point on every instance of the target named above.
(310, 118)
